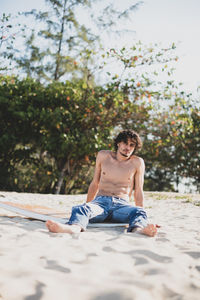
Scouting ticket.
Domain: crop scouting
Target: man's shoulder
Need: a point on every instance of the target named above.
(139, 161)
(104, 153)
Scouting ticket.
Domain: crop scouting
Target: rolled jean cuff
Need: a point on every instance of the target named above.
(134, 227)
(83, 228)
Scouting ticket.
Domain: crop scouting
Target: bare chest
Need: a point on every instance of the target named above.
(115, 171)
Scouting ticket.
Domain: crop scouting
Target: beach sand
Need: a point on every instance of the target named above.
(102, 264)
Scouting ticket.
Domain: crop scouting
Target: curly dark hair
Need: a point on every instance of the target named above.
(124, 135)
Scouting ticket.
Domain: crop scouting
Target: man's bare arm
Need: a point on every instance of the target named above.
(139, 182)
(94, 185)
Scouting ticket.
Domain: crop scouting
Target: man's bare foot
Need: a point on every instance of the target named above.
(62, 228)
(150, 230)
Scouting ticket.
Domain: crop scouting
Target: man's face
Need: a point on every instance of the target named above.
(126, 149)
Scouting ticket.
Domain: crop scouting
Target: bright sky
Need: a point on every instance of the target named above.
(164, 21)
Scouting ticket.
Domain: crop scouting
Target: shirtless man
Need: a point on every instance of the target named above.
(116, 174)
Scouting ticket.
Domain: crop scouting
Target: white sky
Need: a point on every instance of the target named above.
(164, 21)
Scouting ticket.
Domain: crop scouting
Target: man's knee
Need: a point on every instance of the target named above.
(142, 212)
(82, 209)
(139, 211)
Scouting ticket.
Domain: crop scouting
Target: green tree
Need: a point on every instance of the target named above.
(62, 39)
(63, 48)
(172, 122)
(17, 130)
(59, 127)
(172, 145)
(50, 133)
(6, 41)
(187, 142)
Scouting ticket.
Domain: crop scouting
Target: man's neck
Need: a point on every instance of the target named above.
(121, 157)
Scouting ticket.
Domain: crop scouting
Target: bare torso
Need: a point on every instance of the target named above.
(117, 177)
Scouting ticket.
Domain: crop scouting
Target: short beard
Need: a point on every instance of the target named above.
(124, 154)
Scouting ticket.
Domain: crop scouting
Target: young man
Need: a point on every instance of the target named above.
(116, 174)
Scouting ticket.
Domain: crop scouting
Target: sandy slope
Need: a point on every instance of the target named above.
(107, 264)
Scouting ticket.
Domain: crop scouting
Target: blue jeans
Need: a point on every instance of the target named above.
(108, 209)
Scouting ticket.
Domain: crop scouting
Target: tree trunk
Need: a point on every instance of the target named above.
(56, 74)
(177, 183)
(60, 182)
(61, 177)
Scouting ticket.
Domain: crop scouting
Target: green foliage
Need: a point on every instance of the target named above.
(172, 144)
(6, 41)
(50, 133)
(58, 46)
(51, 51)
(170, 127)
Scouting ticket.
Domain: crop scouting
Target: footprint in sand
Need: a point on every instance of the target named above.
(193, 254)
(53, 265)
(162, 240)
(108, 249)
(38, 292)
(170, 294)
(140, 260)
(92, 254)
(198, 268)
(154, 271)
(115, 295)
(154, 256)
